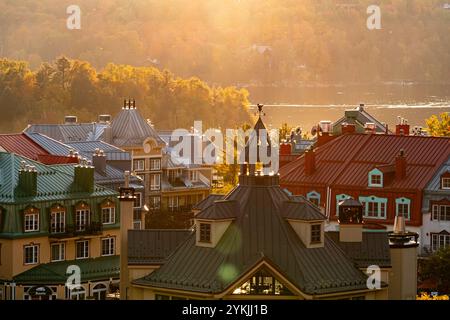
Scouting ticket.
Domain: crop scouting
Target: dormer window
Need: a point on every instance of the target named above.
(31, 219)
(445, 182)
(375, 178)
(205, 232)
(316, 233)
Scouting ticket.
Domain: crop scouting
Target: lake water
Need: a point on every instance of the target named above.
(307, 116)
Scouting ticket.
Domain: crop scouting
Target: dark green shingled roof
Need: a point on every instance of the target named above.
(259, 232)
(373, 250)
(52, 184)
(208, 201)
(93, 269)
(301, 210)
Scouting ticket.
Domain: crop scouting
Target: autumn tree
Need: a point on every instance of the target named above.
(439, 126)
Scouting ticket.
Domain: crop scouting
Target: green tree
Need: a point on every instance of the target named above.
(439, 126)
(437, 267)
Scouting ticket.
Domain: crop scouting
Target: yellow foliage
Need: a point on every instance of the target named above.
(426, 296)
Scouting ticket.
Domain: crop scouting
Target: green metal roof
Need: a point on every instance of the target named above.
(93, 269)
(52, 183)
(258, 232)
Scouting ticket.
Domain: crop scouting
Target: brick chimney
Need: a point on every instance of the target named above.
(310, 162)
(402, 127)
(400, 165)
(347, 128)
(99, 161)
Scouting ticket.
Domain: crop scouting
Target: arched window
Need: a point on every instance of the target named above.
(403, 206)
(99, 291)
(314, 197)
(108, 212)
(78, 294)
(374, 207)
(82, 216)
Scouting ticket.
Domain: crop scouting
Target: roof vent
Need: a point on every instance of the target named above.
(70, 119)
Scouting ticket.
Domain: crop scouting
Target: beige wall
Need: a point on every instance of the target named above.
(13, 251)
(350, 232)
(403, 275)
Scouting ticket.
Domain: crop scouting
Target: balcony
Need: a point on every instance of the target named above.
(72, 231)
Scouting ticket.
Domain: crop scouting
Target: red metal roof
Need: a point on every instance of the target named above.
(347, 160)
(20, 144)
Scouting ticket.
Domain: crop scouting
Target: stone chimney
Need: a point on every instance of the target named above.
(402, 127)
(27, 179)
(400, 165)
(403, 275)
(310, 161)
(347, 128)
(126, 199)
(99, 161)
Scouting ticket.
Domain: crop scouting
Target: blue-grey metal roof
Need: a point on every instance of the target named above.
(130, 129)
(52, 146)
(69, 132)
(435, 182)
(112, 153)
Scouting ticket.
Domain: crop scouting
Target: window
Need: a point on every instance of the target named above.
(82, 218)
(375, 178)
(316, 233)
(314, 197)
(155, 164)
(440, 240)
(31, 254)
(108, 215)
(262, 283)
(82, 249)
(155, 203)
(445, 183)
(173, 203)
(374, 207)
(78, 294)
(31, 220)
(138, 200)
(155, 182)
(205, 232)
(58, 251)
(58, 222)
(441, 212)
(193, 176)
(139, 165)
(99, 292)
(108, 246)
(403, 206)
(137, 225)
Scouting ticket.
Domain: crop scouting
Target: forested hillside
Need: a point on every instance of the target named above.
(285, 42)
(74, 87)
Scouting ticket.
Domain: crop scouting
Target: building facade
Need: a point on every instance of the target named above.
(52, 220)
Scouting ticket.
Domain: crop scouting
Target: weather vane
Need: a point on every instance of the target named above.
(260, 107)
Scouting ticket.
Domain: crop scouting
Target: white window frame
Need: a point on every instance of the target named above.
(31, 221)
(193, 175)
(82, 219)
(382, 202)
(138, 165)
(173, 202)
(375, 172)
(153, 202)
(58, 221)
(313, 195)
(445, 183)
(61, 251)
(85, 248)
(153, 162)
(110, 243)
(339, 198)
(110, 212)
(403, 201)
(155, 182)
(35, 254)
